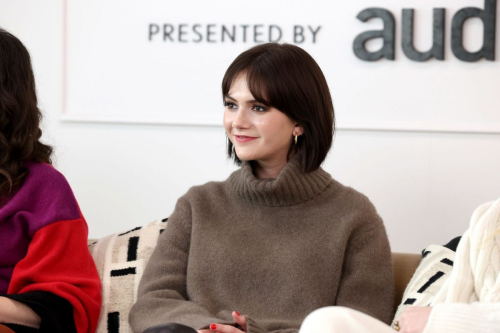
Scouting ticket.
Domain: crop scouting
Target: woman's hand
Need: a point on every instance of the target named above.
(220, 328)
(414, 319)
(240, 320)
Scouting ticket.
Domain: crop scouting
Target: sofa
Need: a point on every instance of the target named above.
(121, 258)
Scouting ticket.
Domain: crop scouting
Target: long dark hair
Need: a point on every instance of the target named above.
(286, 77)
(19, 116)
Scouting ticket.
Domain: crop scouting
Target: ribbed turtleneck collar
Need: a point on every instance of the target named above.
(290, 188)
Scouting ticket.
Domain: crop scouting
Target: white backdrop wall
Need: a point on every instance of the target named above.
(425, 184)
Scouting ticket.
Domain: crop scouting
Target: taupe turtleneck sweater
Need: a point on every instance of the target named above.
(274, 250)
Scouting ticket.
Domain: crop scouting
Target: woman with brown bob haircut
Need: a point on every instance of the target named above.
(280, 237)
(48, 280)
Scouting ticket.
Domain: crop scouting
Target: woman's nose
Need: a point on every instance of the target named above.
(241, 119)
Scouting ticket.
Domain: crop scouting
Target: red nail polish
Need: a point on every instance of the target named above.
(213, 327)
(237, 313)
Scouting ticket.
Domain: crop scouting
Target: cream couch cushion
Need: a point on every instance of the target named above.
(120, 259)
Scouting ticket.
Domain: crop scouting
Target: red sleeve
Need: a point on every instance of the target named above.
(58, 261)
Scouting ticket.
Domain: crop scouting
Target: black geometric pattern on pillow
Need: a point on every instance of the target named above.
(123, 272)
(447, 261)
(432, 272)
(433, 279)
(120, 260)
(127, 232)
(410, 301)
(453, 244)
(114, 322)
(133, 242)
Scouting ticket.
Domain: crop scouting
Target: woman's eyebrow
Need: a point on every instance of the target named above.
(249, 101)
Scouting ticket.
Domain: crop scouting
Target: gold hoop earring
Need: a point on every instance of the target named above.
(296, 140)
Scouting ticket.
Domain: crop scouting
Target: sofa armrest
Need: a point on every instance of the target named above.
(405, 265)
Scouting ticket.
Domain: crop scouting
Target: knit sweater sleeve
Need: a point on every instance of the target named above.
(58, 279)
(253, 327)
(367, 281)
(464, 318)
(162, 295)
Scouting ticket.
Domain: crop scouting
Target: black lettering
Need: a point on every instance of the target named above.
(167, 32)
(387, 51)
(257, 33)
(244, 26)
(314, 32)
(271, 28)
(195, 30)
(182, 32)
(226, 32)
(437, 50)
(298, 31)
(210, 32)
(153, 30)
(488, 16)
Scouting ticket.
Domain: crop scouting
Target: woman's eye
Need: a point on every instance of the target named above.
(230, 105)
(259, 108)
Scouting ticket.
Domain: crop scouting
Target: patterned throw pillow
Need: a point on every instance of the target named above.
(120, 260)
(432, 272)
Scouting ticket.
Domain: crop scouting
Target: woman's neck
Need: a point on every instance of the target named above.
(268, 170)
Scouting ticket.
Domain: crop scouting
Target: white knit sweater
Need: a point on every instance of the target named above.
(469, 301)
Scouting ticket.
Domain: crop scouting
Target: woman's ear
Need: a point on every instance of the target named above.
(298, 130)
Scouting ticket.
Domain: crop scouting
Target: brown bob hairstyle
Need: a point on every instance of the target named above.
(19, 116)
(287, 78)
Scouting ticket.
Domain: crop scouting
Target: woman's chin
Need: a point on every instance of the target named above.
(245, 155)
(245, 158)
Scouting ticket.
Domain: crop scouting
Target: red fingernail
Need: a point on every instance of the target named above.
(213, 327)
(237, 313)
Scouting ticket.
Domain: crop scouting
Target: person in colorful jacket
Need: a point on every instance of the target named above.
(48, 280)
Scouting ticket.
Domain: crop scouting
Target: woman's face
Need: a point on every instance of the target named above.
(258, 133)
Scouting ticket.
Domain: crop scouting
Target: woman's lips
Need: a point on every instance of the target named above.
(244, 138)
